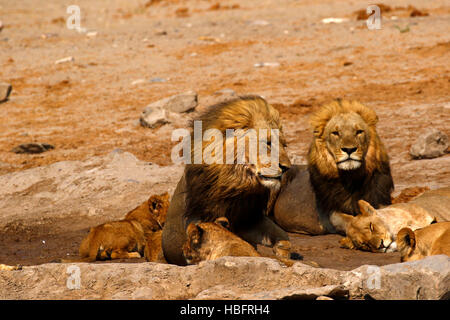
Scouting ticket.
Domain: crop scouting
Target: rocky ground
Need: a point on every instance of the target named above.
(133, 53)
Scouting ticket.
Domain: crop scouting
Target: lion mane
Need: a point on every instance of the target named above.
(218, 190)
(340, 190)
(241, 192)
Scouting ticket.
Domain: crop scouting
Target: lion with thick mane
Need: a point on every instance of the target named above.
(347, 162)
(241, 192)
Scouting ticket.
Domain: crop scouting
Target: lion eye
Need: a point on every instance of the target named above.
(371, 226)
(335, 133)
(358, 132)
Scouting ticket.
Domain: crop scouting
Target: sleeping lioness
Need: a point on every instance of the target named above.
(376, 230)
(428, 241)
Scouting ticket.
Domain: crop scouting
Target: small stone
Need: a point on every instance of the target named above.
(266, 64)
(161, 33)
(229, 92)
(1, 25)
(153, 117)
(430, 144)
(324, 298)
(32, 148)
(158, 80)
(91, 34)
(260, 23)
(138, 81)
(5, 90)
(64, 60)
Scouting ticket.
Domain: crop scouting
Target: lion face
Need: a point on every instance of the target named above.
(368, 232)
(347, 139)
(258, 143)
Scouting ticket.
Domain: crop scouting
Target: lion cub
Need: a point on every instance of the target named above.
(428, 241)
(129, 237)
(213, 240)
(376, 230)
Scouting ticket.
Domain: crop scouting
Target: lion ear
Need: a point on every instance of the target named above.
(222, 221)
(366, 209)
(194, 234)
(406, 238)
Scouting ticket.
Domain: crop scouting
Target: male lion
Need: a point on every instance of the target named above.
(242, 193)
(428, 241)
(346, 162)
(376, 230)
(127, 238)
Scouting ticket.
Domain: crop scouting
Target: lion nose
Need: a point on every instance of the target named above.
(381, 245)
(349, 151)
(283, 168)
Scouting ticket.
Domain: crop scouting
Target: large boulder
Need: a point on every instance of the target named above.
(112, 184)
(227, 278)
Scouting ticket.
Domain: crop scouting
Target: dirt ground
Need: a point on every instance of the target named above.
(91, 106)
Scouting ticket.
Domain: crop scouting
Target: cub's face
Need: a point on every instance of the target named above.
(347, 139)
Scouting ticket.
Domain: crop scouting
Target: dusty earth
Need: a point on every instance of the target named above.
(91, 106)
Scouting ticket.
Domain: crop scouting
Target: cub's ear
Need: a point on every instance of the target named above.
(365, 208)
(194, 234)
(346, 243)
(222, 221)
(406, 238)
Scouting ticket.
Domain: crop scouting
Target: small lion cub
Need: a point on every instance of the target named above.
(127, 238)
(213, 240)
(431, 240)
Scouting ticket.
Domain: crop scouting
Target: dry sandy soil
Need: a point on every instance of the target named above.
(91, 106)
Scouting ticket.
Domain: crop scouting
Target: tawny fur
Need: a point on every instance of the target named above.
(376, 229)
(347, 162)
(127, 238)
(238, 192)
(429, 241)
(213, 240)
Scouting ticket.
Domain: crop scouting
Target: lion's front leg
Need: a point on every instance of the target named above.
(267, 233)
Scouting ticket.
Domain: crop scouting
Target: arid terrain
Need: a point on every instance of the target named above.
(135, 52)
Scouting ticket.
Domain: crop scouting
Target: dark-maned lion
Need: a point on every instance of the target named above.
(127, 238)
(242, 193)
(347, 162)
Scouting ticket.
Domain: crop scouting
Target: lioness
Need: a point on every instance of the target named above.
(126, 238)
(376, 230)
(428, 241)
(241, 192)
(347, 162)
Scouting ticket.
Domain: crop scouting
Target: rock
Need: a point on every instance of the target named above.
(266, 64)
(428, 278)
(64, 60)
(179, 103)
(227, 278)
(5, 90)
(105, 187)
(1, 25)
(430, 144)
(153, 117)
(32, 148)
